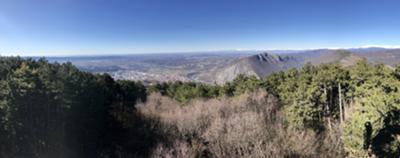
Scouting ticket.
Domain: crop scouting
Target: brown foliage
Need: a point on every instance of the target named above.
(245, 126)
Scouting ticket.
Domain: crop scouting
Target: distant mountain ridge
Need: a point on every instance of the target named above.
(263, 64)
(258, 65)
(222, 66)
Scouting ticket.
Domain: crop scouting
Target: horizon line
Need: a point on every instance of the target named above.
(210, 51)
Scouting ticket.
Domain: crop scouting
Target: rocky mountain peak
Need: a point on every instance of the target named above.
(272, 58)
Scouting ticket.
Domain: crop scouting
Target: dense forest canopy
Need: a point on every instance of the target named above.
(316, 97)
(55, 110)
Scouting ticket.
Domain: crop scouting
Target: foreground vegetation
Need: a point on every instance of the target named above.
(361, 101)
(248, 125)
(55, 110)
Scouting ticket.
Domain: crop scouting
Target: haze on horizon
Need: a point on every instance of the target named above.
(74, 27)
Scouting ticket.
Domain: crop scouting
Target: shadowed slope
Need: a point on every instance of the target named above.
(263, 64)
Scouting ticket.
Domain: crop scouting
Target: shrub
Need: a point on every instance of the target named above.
(248, 125)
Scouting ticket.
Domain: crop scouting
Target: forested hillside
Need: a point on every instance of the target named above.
(361, 103)
(55, 110)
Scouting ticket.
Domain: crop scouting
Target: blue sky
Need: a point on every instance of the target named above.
(85, 27)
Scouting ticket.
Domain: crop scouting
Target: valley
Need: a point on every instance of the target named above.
(223, 66)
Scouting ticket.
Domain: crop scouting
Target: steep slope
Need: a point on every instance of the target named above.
(264, 64)
(258, 65)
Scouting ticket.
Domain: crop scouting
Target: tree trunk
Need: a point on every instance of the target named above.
(350, 103)
(327, 109)
(340, 104)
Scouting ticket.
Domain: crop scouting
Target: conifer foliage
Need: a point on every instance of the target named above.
(55, 110)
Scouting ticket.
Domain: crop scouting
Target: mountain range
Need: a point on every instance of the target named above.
(260, 65)
(222, 66)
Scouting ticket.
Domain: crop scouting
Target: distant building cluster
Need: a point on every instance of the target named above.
(144, 76)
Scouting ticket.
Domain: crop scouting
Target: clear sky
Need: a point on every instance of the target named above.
(85, 27)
